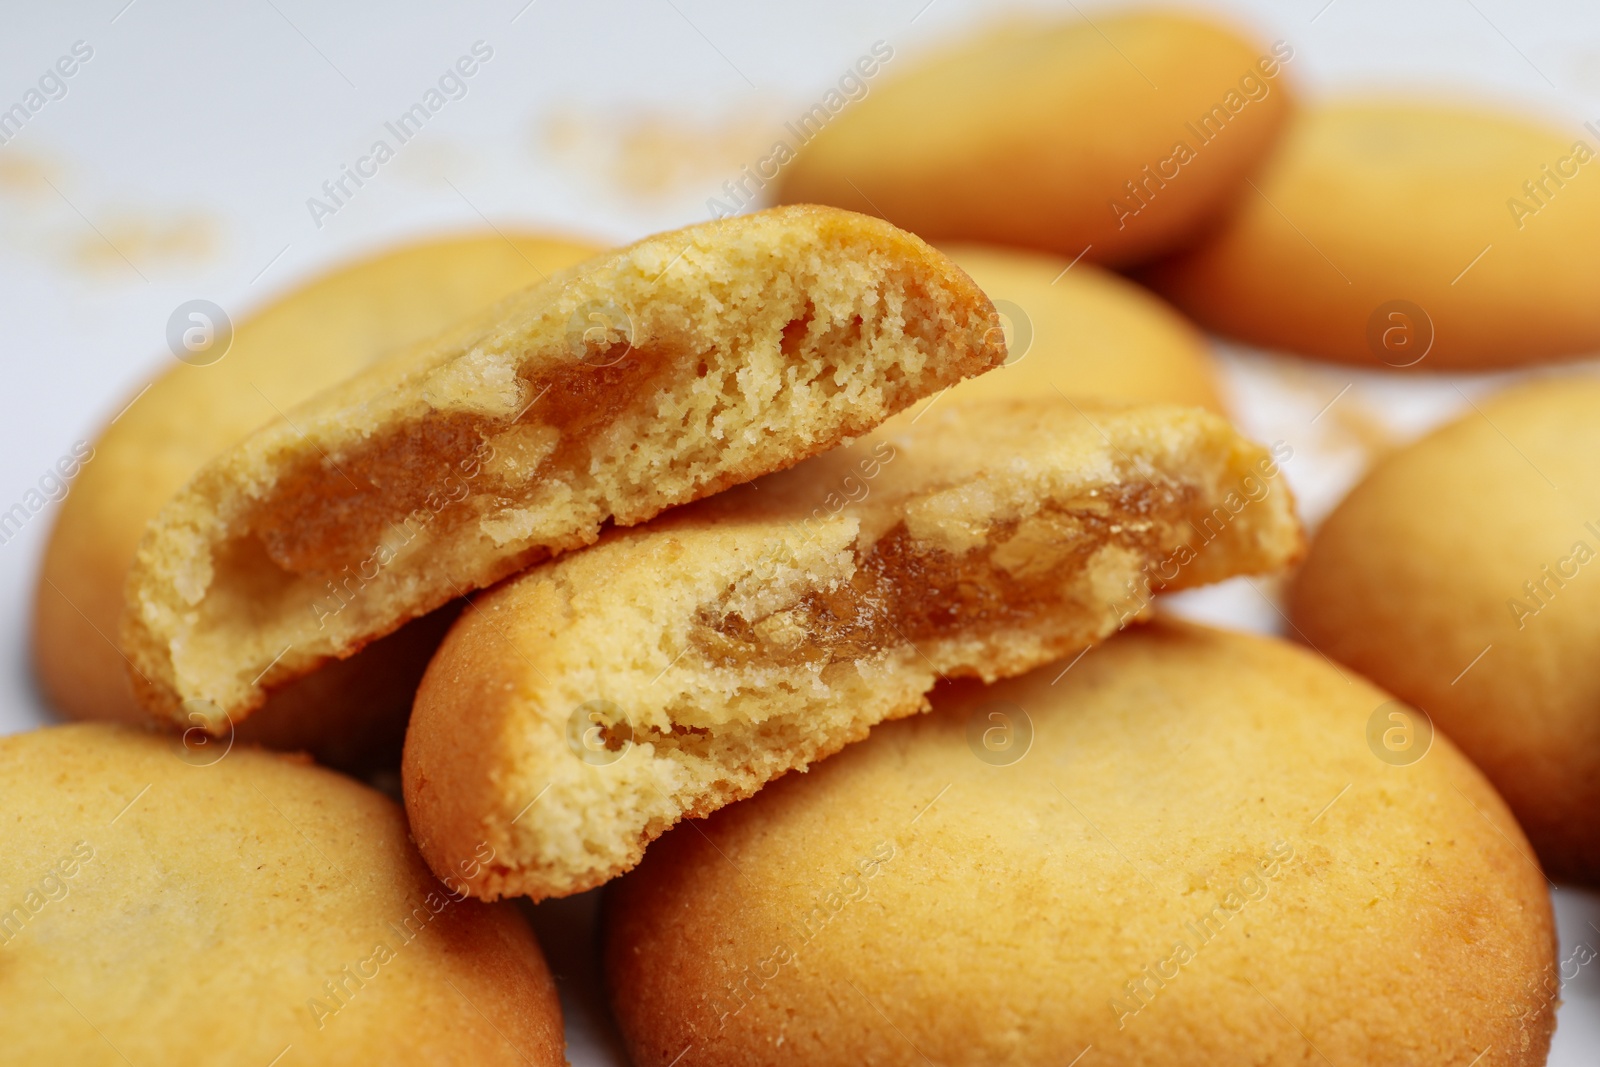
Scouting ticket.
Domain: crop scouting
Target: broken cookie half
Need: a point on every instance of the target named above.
(576, 712)
(646, 377)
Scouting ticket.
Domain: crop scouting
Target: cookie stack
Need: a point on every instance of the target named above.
(589, 544)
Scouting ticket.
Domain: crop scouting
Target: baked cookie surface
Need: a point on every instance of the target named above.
(164, 904)
(302, 343)
(1460, 575)
(579, 710)
(1010, 137)
(1180, 852)
(1407, 235)
(1080, 331)
(646, 377)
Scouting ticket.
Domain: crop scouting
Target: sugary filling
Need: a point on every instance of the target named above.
(330, 513)
(905, 590)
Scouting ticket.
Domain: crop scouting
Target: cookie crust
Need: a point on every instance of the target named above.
(1457, 576)
(164, 903)
(1006, 136)
(908, 902)
(1388, 234)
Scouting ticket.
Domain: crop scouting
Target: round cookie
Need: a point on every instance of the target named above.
(1085, 332)
(297, 346)
(1116, 138)
(163, 905)
(1181, 850)
(1408, 235)
(1460, 575)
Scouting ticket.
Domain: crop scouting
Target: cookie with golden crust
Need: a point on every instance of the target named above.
(1459, 575)
(1080, 331)
(1179, 851)
(163, 905)
(646, 377)
(1408, 235)
(1011, 137)
(304, 342)
(577, 712)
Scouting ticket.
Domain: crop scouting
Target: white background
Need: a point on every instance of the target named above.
(179, 163)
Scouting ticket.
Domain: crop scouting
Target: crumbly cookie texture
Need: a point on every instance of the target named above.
(577, 712)
(646, 377)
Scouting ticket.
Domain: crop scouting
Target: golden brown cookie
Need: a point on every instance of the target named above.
(1080, 331)
(577, 712)
(1408, 235)
(645, 377)
(306, 341)
(1460, 576)
(1181, 851)
(163, 905)
(1116, 138)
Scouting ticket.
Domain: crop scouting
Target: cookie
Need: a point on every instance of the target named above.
(164, 904)
(1408, 235)
(1178, 851)
(1116, 139)
(1459, 575)
(1080, 331)
(643, 378)
(577, 712)
(306, 341)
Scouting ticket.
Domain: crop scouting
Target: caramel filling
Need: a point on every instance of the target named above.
(907, 591)
(329, 513)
